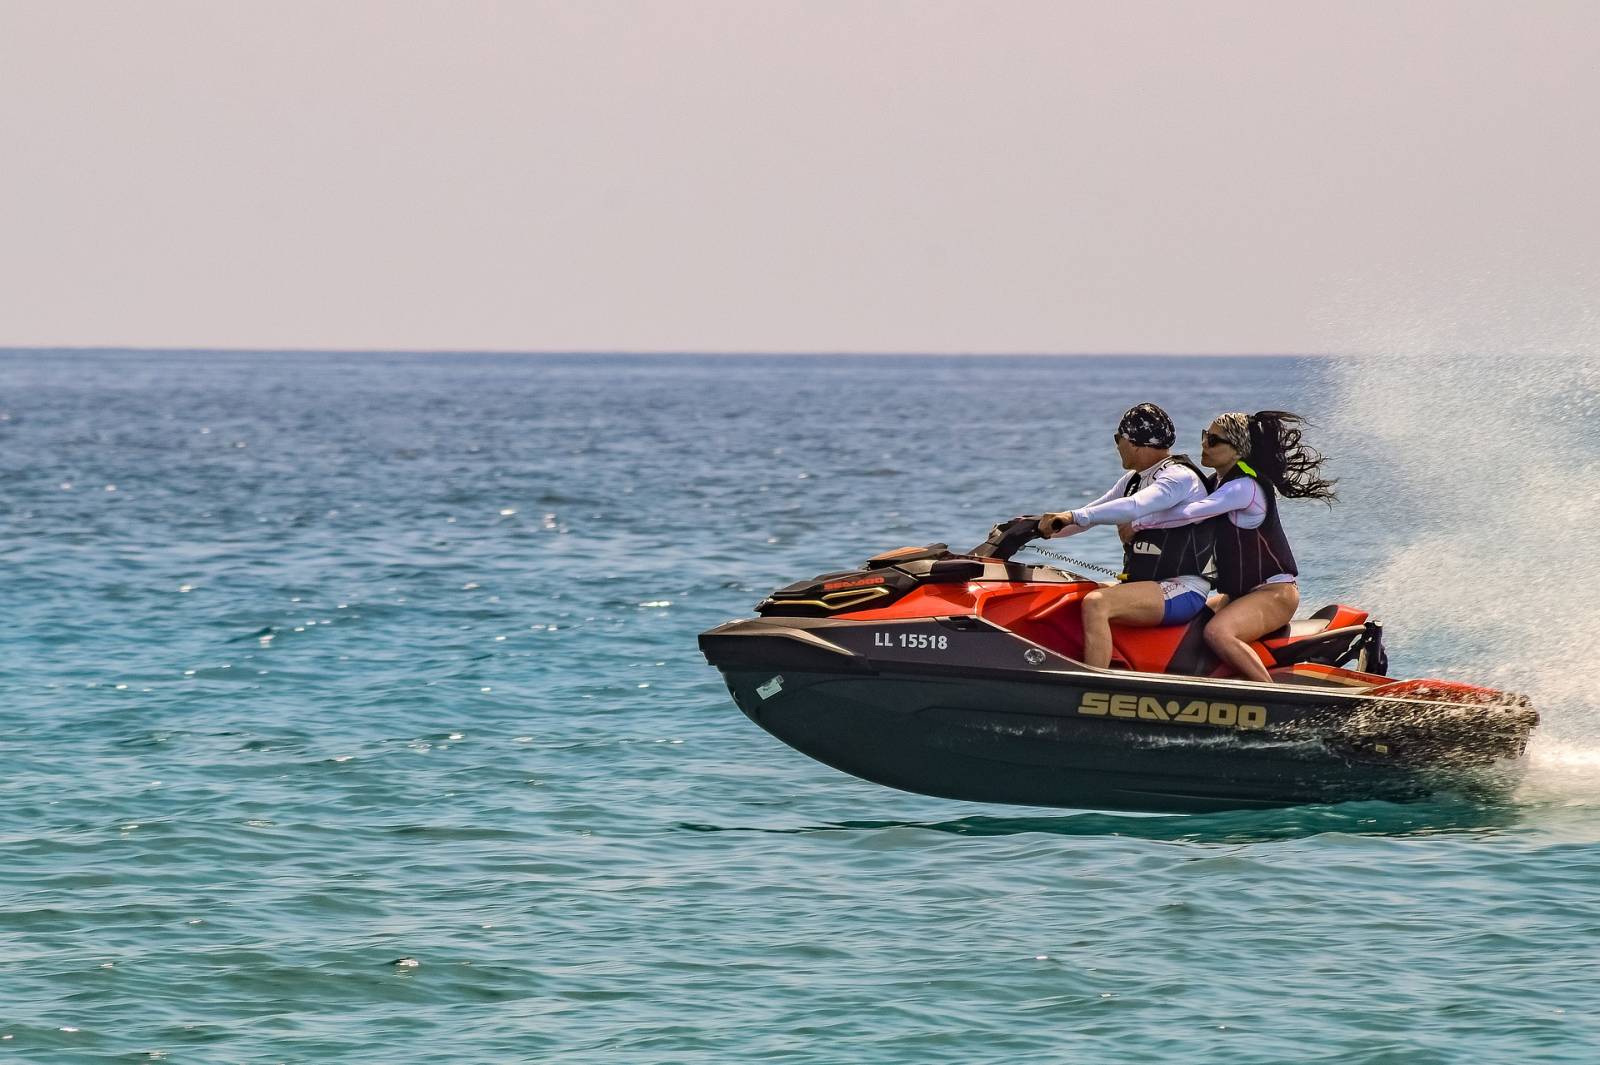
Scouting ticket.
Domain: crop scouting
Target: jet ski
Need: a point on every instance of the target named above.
(957, 675)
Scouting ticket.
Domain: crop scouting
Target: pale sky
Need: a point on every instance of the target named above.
(703, 175)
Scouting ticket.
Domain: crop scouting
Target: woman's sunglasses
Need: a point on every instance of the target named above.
(1211, 439)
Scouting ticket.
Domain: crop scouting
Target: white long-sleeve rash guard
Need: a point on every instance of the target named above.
(1172, 486)
(1241, 499)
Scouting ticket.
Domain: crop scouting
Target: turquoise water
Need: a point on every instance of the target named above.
(320, 664)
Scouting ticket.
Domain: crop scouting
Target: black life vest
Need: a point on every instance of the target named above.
(1247, 557)
(1157, 554)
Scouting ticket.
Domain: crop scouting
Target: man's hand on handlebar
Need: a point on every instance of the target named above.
(1051, 525)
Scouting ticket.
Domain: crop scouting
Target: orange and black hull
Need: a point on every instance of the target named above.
(964, 709)
(961, 676)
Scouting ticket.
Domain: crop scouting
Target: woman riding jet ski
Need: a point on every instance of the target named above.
(961, 675)
(1236, 527)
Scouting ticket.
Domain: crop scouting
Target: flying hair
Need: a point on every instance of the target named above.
(1279, 454)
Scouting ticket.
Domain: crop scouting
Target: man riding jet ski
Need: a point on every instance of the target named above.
(962, 675)
(1165, 566)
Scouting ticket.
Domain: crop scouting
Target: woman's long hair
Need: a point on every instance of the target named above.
(1280, 456)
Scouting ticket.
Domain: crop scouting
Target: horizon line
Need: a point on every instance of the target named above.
(91, 349)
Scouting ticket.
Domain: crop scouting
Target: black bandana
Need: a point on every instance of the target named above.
(1147, 425)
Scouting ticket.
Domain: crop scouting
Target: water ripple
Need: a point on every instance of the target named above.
(411, 676)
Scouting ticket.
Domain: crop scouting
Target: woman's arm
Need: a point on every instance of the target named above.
(1242, 494)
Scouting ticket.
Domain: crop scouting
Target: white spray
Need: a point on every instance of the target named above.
(1485, 469)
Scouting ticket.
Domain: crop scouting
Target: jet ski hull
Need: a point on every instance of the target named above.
(960, 676)
(960, 709)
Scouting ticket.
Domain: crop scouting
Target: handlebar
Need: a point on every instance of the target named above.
(1007, 538)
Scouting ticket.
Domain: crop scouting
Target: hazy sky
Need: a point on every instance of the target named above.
(822, 175)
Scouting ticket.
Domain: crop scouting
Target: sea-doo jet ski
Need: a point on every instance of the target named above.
(958, 675)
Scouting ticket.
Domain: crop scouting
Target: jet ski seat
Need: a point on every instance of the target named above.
(1321, 621)
(1298, 628)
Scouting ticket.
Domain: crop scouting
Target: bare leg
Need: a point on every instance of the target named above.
(1139, 603)
(1247, 618)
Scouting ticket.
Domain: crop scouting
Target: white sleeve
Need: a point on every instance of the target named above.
(1114, 493)
(1167, 489)
(1241, 495)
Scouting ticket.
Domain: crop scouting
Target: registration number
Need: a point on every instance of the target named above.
(926, 641)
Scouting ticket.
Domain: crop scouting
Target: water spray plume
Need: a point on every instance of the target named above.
(1486, 469)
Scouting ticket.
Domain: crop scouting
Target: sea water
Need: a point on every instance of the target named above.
(353, 712)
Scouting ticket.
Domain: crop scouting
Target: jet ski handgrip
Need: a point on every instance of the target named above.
(1007, 538)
